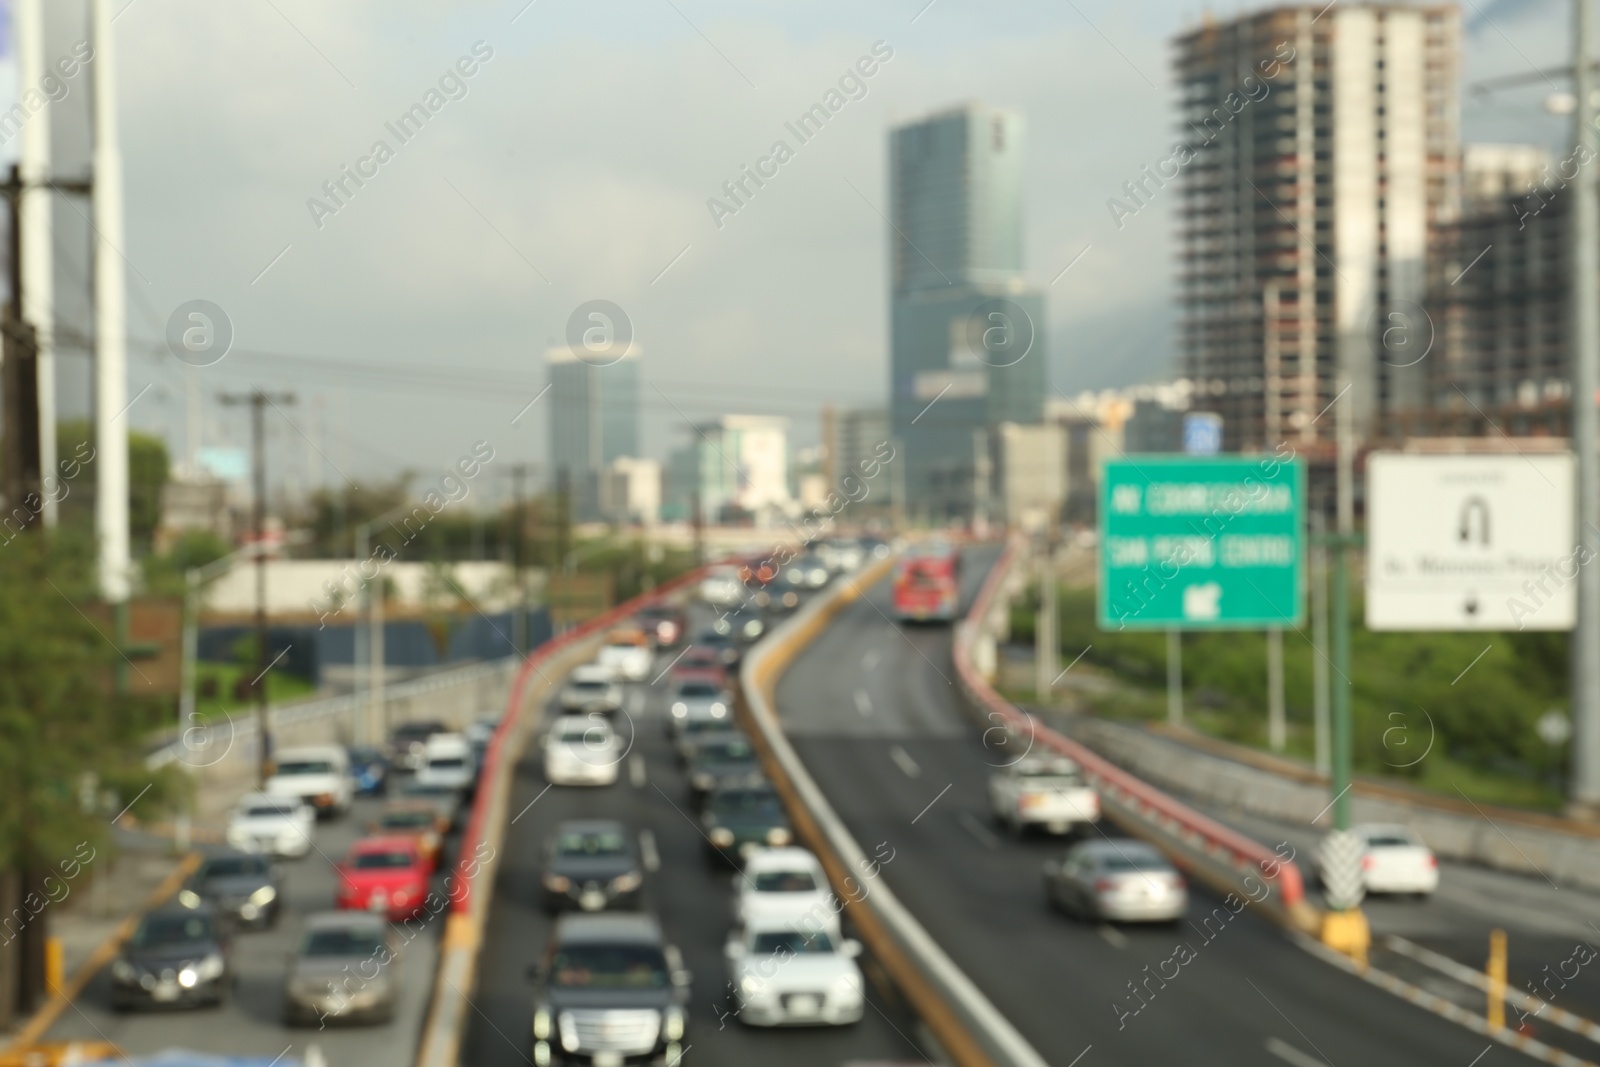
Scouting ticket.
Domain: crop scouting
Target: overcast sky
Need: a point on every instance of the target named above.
(578, 165)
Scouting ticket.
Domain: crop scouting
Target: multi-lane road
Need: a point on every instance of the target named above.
(691, 898)
(874, 712)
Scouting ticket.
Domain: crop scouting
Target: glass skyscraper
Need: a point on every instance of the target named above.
(594, 419)
(967, 333)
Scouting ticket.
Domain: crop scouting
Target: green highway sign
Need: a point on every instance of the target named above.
(1201, 543)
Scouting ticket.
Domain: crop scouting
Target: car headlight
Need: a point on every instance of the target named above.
(846, 987)
(123, 971)
(680, 709)
(778, 836)
(188, 977)
(210, 967)
(627, 883)
(751, 986)
(541, 1024)
(672, 1023)
(718, 710)
(557, 883)
(189, 898)
(264, 896)
(722, 837)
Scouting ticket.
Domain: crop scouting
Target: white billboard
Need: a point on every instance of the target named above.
(1472, 542)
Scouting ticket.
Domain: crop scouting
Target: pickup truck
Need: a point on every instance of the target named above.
(1044, 791)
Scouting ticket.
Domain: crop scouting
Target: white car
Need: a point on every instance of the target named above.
(582, 750)
(592, 687)
(1394, 860)
(447, 763)
(271, 825)
(1046, 791)
(784, 975)
(698, 700)
(628, 654)
(721, 587)
(786, 885)
(316, 774)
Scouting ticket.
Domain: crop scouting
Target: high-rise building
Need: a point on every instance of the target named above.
(1320, 164)
(967, 333)
(737, 465)
(594, 420)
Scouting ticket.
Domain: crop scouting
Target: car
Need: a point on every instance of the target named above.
(699, 662)
(778, 597)
(1116, 881)
(1394, 860)
(384, 875)
(274, 825)
(317, 774)
(478, 734)
(609, 989)
(417, 818)
(1043, 791)
(721, 587)
(727, 650)
(784, 974)
(627, 651)
(446, 801)
(177, 956)
(369, 770)
(786, 884)
(592, 687)
(447, 761)
(664, 624)
(807, 571)
(581, 750)
(743, 627)
(346, 968)
(408, 740)
(592, 865)
(842, 555)
(691, 733)
(245, 887)
(695, 697)
(722, 761)
(740, 819)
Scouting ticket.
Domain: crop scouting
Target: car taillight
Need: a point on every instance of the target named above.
(1104, 885)
(1178, 881)
(1368, 862)
(1431, 860)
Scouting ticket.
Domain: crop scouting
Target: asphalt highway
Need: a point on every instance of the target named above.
(874, 713)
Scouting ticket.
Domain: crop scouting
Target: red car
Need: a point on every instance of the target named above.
(700, 663)
(384, 875)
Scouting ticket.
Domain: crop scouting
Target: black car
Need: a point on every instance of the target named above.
(690, 735)
(245, 887)
(742, 627)
(664, 624)
(727, 650)
(609, 989)
(740, 818)
(721, 761)
(177, 956)
(591, 864)
(407, 742)
(369, 769)
(779, 596)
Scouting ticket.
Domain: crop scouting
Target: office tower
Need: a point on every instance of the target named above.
(594, 419)
(967, 334)
(1318, 166)
(737, 464)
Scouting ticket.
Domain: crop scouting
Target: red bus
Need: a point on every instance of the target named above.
(926, 586)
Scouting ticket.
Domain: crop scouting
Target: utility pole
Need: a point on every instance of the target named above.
(32, 245)
(1585, 265)
(258, 400)
(23, 476)
(1277, 727)
(1047, 645)
(1319, 641)
(698, 524)
(1174, 677)
(519, 524)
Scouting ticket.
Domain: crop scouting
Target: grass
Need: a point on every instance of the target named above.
(219, 679)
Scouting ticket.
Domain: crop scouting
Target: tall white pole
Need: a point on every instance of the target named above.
(110, 301)
(37, 270)
(1585, 332)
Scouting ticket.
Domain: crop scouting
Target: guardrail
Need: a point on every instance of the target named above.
(1205, 848)
(445, 1026)
(970, 1028)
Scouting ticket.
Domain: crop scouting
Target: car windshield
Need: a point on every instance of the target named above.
(362, 754)
(446, 763)
(368, 943)
(1134, 862)
(726, 751)
(753, 802)
(267, 811)
(1052, 781)
(697, 689)
(381, 861)
(172, 930)
(785, 882)
(307, 766)
(1390, 840)
(796, 942)
(417, 731)
(422, 789)
(609, 966)
(406, 820)
(592, 843)
(586, 733)
(588, 683)
(235, 866)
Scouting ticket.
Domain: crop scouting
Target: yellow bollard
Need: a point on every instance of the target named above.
(1496, 972)
(55, 968)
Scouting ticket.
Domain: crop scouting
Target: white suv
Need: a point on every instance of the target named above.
(447, 762)
(316, 774)
(273, 825)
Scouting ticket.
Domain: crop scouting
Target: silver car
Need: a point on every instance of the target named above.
(698, 700)
(1116, 881)
(346, 969)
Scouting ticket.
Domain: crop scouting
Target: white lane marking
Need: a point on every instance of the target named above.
(648, 851)
(1289, 1054)
(903, 760)
(870, 660)
(978, 830)
(931, 803)
(1112, 935)
(637, 775)
(863, 702)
